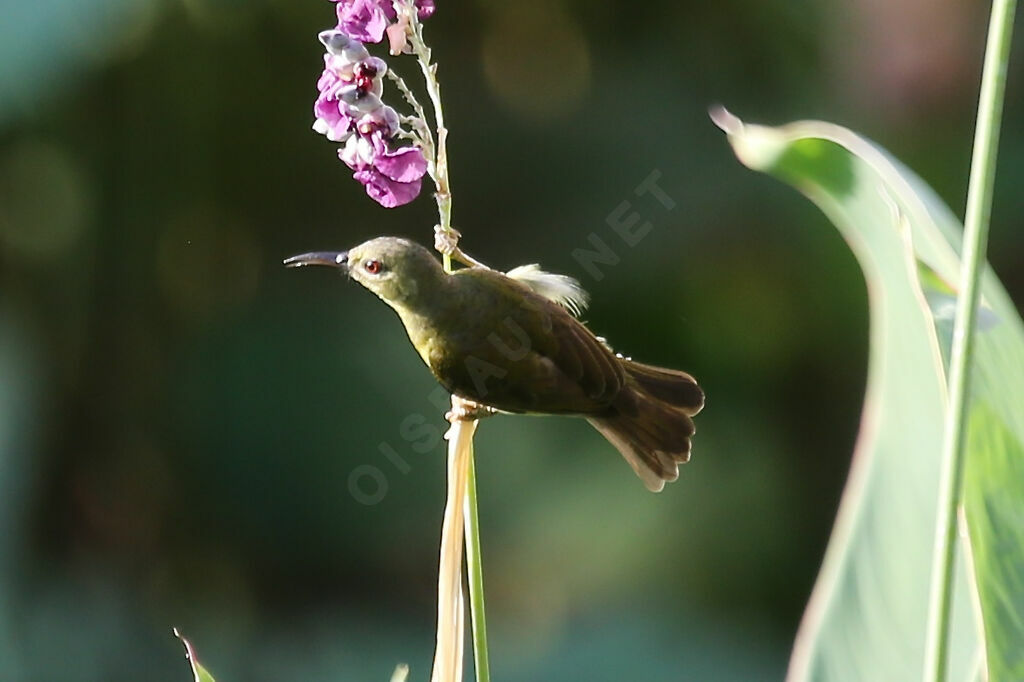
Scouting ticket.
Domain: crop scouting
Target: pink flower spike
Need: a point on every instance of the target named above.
(349, 109)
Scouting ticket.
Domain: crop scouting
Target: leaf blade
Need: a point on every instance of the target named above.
(907, 242)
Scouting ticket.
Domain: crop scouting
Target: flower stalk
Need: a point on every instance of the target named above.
(350, 110)
(429, 69)
(976, 228)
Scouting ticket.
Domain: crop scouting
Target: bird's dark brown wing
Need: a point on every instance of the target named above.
(535, 357)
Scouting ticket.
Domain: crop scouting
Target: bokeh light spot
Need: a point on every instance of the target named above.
(207, 260)
(44, 200)
(233, 16)
(112, 31)
(536, 60)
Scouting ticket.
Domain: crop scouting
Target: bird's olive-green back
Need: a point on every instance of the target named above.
(488, 337)
(495, 341)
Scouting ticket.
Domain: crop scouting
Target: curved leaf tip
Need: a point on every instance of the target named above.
(199, 673)
(757, 147)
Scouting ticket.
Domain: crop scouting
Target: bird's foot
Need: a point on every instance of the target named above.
(466, 411)
(447, 242)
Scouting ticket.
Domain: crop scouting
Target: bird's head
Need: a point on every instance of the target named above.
(399, 271)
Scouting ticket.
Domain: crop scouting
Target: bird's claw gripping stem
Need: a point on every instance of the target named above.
(466, 410)
(447, 242)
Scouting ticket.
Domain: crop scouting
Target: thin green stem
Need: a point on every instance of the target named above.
(423, 54)
(476, 579)
(420, 120)
(976, 226)
(474, 560)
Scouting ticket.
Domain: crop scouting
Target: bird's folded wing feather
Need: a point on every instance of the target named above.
(568, 369)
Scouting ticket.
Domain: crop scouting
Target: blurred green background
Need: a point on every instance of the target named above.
(181, 417)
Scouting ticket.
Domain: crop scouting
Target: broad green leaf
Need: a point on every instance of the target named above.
(199, 673)
(867, 616)
(994, 476)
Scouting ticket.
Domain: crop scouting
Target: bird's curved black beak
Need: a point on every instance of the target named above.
(334, 259)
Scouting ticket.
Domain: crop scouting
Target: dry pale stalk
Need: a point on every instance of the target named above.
(450, 617)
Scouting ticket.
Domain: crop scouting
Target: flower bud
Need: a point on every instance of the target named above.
(358, 152)
(334, 41)
(340, 45)
(384, 119)
(358, 99)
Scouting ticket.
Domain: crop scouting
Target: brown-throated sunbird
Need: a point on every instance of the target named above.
(509, 342)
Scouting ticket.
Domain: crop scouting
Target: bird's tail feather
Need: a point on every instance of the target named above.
(650, 423)
(675, 388)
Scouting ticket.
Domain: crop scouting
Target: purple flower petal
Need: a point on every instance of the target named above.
(403, 165)
(328, 79)
(388, 8)
(331, 119)
(364, 20)
(426, 8)
(385, 191)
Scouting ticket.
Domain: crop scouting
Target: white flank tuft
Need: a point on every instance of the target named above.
(562, 289)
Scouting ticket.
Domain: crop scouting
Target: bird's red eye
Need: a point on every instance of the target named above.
(372, 266)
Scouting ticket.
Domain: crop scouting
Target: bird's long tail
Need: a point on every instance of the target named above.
(650, 421)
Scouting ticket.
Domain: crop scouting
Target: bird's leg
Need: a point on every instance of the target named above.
(467, 410)
(447, 242)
